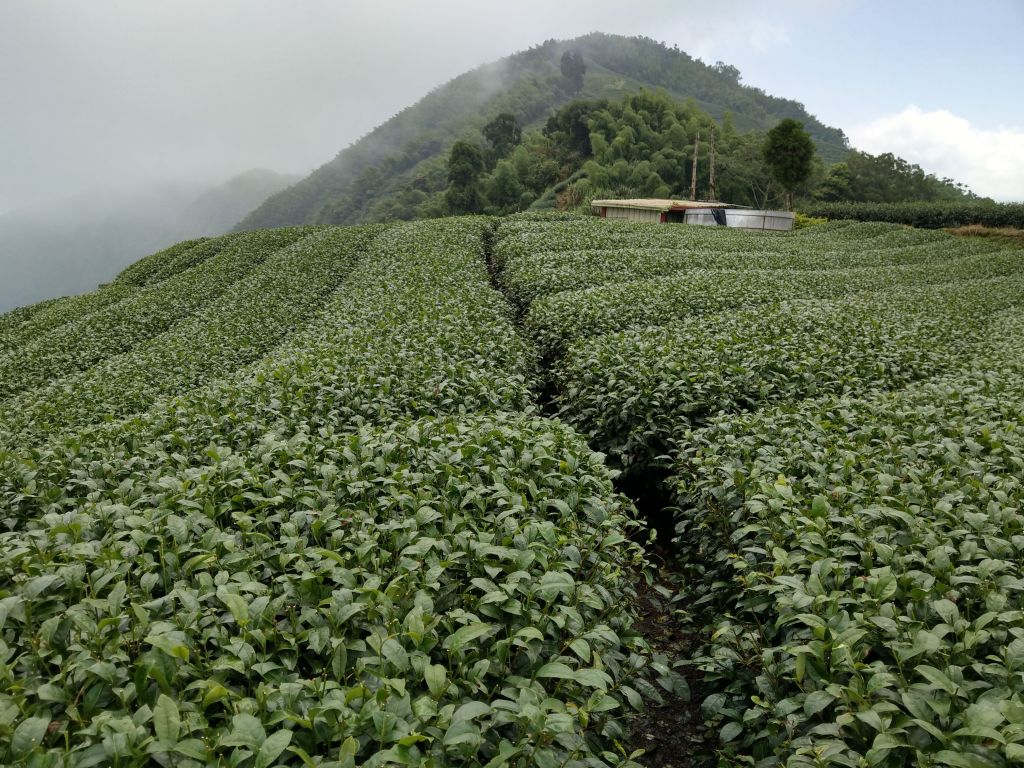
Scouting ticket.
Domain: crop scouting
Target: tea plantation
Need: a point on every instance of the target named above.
(347, 496)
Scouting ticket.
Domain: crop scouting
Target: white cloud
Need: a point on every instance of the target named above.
(990, 162)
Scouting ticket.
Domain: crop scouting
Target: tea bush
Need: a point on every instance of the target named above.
(634, 391)
(863, 557)
(224, 335)
(362, 549)
(557, 320)
(929, 215)
(117, 327)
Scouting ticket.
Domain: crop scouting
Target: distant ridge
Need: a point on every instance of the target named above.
(69, 246)
(406, 154)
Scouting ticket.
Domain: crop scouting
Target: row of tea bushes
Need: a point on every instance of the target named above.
(359, 551)
(145, 270)
(426, 593)
(22, 325)
(115, 328)
(926, 214)
(519, 239)
(632, 392)
(416, 330)
(228, 333)
(55, 313)
(543, 273)
(863, 559)
(12, 320)
(849, 472)
(557, 320)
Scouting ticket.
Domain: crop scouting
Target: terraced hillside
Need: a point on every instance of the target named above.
(344, 496)
(834, 416)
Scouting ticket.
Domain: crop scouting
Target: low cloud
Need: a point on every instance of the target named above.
(116, 92)
(990, 162)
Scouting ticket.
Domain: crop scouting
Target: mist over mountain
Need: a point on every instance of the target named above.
(371, 179)
(75, 244)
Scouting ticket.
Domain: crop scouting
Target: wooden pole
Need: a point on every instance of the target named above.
(711, 151)
(693, 176)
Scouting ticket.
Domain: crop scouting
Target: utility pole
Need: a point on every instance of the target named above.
(711, 152)
(693, 176)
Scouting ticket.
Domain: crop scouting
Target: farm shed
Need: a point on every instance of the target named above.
(693, 212)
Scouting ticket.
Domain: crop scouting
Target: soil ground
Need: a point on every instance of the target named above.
(673, 734)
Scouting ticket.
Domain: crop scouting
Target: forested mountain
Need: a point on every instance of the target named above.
(396, 170)
(216, 210)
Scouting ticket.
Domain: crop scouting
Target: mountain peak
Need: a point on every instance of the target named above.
(395, 167)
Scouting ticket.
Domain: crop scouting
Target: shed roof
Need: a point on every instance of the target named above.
(654, 204)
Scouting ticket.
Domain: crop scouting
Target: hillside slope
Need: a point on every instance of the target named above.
(285, 495)
(407, 152)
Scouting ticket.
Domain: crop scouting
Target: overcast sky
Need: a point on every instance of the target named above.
(110, 93)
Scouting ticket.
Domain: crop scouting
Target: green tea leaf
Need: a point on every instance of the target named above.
(166, 720)
(817, 701)
(28, 735)
(730, 731)
(463, 636)
(556, 669)
(270, 749)
(436, 678)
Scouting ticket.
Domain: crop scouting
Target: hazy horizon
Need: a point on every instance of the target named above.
(118, 115)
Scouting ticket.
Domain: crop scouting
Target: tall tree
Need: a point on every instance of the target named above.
(569, 127)
(465, 164)
(573, 69)
(789, 152)
(504, 190)
(503, 133)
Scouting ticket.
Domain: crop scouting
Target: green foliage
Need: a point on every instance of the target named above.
(397, 171)
(803, 221)
(214, 626)
(51, 315)
(505, 191)
(143, 271)
(569, 128)
(637, 390)
(70, 342)
(465, 164)
(844, 446)
(361, 549)
(645, 145)
(560, 319)
(862, 557)
(573, 69)
(788, 150)
(715, 87)
(931, 215)
(214, 342)
(539, 260)
(885, 179)
(742, 175)
(312, 517)
(503, 133)
(11, 321)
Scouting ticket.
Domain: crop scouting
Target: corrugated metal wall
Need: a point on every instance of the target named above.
(633, 214)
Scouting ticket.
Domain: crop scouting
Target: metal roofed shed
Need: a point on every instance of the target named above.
(694, 212)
